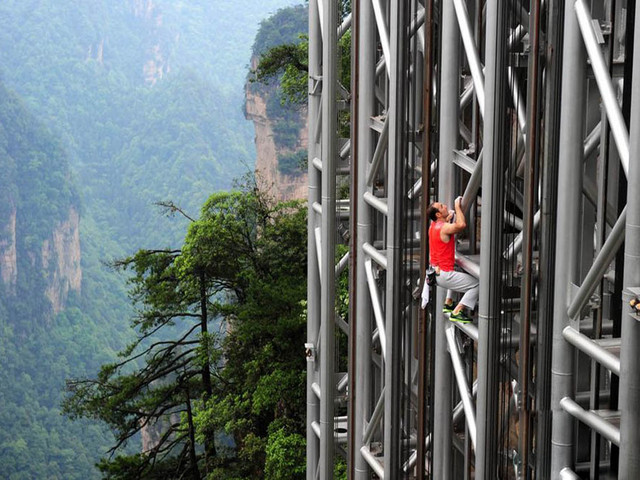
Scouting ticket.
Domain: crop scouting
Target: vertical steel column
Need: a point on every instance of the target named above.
(313, 272)
(328, 237)
(530, 184)
(495, 158)
(393, 306)
(449, 78)
(352, 450)
(629, 466)
(568, 228)
(548, 172)
(365, 99)
(423, 324)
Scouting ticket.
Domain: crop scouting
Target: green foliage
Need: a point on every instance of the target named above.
(283, 27)
(292, 163)
(243, 260)
(79, 69)
(286, 453)
(286, 65)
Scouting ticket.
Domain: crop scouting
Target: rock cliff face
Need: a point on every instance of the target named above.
(59, 258)
(8, 253)
(281, 187)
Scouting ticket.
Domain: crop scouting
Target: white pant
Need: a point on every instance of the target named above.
(460, 282)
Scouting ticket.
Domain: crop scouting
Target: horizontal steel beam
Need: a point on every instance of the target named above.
(592, 419)
(592, 349)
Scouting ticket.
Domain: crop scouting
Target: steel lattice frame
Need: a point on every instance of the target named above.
(453, 82)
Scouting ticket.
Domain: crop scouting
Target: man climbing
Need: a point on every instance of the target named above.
(442, 251)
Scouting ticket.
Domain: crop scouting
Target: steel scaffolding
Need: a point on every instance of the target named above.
(530, 110)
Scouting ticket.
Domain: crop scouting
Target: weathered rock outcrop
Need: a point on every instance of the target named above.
(281, 187)
(61, 257)
(8, 253)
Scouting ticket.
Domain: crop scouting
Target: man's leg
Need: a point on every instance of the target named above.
(462, 282)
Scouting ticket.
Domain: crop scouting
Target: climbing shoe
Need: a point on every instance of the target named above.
(448, 307)
(460, 317)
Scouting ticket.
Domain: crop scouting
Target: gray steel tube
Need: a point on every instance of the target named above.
(495, 158)
(473, 57)
(395, 194)
(382, 33)
(551, 79)
(629, 466)
(365, 103)
(601, 72)
(463, 388)
(313, 273)
(328, 235)
(600, 265)
(595, 351)
(595, 421)
(448, 123)
(567, 241)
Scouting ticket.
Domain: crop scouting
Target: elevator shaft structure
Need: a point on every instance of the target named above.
(530, 111)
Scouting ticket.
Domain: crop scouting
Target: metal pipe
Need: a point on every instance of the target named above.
(548, 205)
(379, 204)
(568, 474)
(353, 433)
(381, 148)
(517, 99)
(601, 72)
(468, 265)
(471, 191)
(318, 249)
(382, 32)
(525, 371)
(599, 266)
(520, 12)
(329, 153)
(448, 128)
(469, 329)
(473, 57)
(313, 271)
(568, 217)
(377, 306)
(591, 419)
(629, 466)
(592, 349)
(490, 238)
(345, 25)
(375, 418)
(342, 264)
(463, 388)
(592, 140)
(423, 354)
(364, 102)
(373, 462)
(398, 129)
(375, 254)
(516, 246)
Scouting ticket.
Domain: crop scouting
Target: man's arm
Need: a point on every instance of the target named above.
(456, 227)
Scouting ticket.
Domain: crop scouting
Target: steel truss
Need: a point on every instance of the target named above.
(531, 111)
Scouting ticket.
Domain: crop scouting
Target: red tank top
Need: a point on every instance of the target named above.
(441, 254)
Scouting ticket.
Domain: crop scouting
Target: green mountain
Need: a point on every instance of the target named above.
(105, 108)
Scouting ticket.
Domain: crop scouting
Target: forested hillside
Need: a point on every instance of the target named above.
(134, 85)
(117, 105)
(51, 320)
